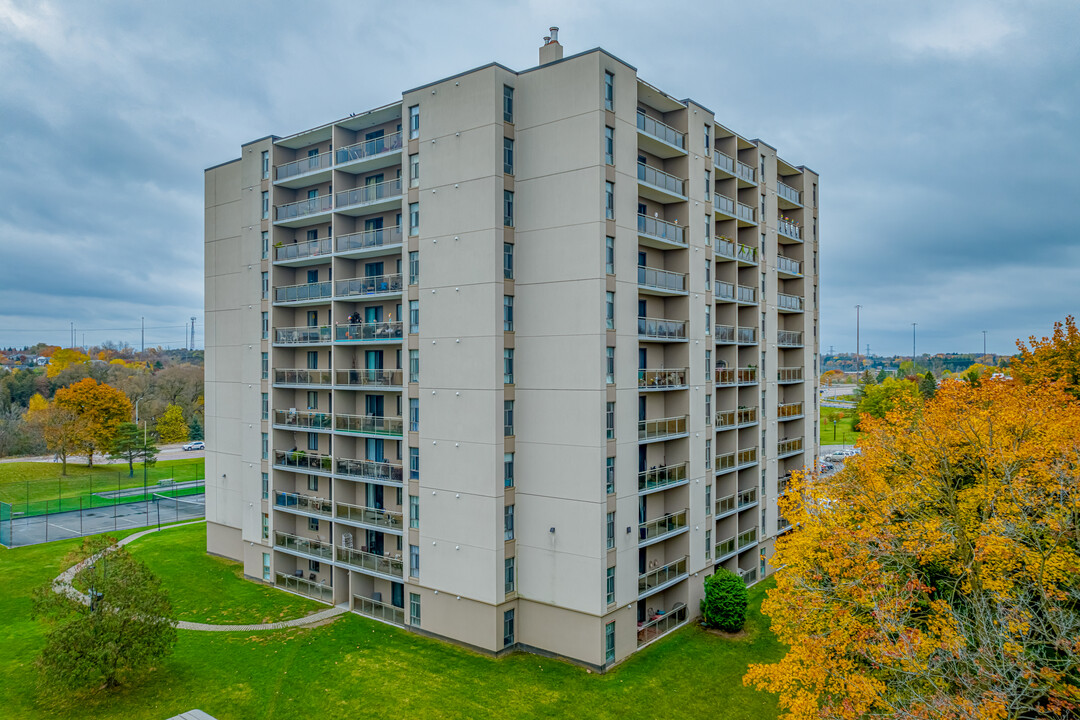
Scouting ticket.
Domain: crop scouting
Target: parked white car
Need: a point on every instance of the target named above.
(841, 455)
(197, 445)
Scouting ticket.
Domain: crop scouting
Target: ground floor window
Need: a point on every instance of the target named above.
(508, 628)
(609, 642)
(414, 609)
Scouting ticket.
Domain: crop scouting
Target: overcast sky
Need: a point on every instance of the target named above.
(947, 135)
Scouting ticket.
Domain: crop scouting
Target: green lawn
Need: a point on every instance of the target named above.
(33, 487)
(355, 667)
(844, 434)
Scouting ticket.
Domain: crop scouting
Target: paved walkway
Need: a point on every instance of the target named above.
(62, 584)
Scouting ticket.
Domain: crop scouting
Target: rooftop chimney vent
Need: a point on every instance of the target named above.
(551, 50)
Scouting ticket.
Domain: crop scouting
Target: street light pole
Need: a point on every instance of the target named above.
(984, 342)
(858, 365)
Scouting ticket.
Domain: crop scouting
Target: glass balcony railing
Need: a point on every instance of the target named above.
(662, 378)
(747, 294)
(368, 332)
(303, 208)
(661, 279)
(789, 338)
(746, 213)
(661, 428)
(789, 410)
(369, 424)
(725, 461)
(747, 336)
(382, 564)
(783, 484)
(725, 419)
(301, 335)
(724, 204)
(378, 517)
(369, 378)
(749, 576)
(747, 456)
(301, 586)
(789, 374)
(725, 248)
(724, 290)
(789, 228)
(301, 376)
(670, 523)
(375, 285)
(378, 610)
(724, 162)
(302, 461)
(782, 524)
(661, 575)
(303, 503)
(660, 179)
(725, 333)
(311, 163)
(301, 293)
(369, 470)
(303, 419)
(304, 249)
(746, 416)
(724, 506)
(747, 538)
(747, 498)
(661, 229)
(788, 265)
(373, 238)
(789, 447)
(307, 546)
(747, 254)
(789, 302)
(661, 131)
(367, 194)
(745, 172)
(657, 478)
(725, 376)
(747, 376)
(369, 148)
(662, 624)
(725, 548)
(788, 193)
(660, 329)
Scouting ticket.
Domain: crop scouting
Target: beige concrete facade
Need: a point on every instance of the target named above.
(461, 437)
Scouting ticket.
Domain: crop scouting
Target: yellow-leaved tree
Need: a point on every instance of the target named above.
(63, 359)
(937, 575)
(64, 431)
(171, 426)
(1054, 358)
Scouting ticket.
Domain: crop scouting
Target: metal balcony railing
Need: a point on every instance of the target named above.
(725, 547)
(725, 419)
(302, 335)
(303, 249)
(661, 575)
(747, 456)
(789, 302)
(661, 329)
(378, 610)
(369, 148)
(749, 576)
(747, 294)
(747, 538)
(789, 410)
(303, 461)
(724, 161)
(376, 285)
(748, 376)
(307, 546)
(746, 172)
(789, 338)
(746, 416)
(661, 131)
(381, 564)
(662, 624)
(747, 254)
(301, 586)
(660, 179)
(662, 378)
(789, 447)
(789, 374)
(302, 208)
(725, 376)
(724, 290)
(788, 265)
(303, 419)
(369, 470)
(376, 237)
(725, 248)
(303, 503)
(746, 498)
(788, 193)
(661, 428)
(670, 523)
(725, 505)
(378, 517)
(661, 229)
(301, 376)
(311, 163)
(369, 378)
(747, 335)
(746, 213)
(789, 228)
(725, 333)
(368, 332)
(300, 293)
(368, 194)
(661, 279)
(657, 478)
(725, 461)
(724, 204)
(369, 424)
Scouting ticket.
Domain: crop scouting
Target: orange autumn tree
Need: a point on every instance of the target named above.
(101, 407)
(938, 575)
(1054, 358)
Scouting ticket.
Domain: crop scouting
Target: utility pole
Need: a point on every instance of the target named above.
(913, 347)
(142, 334)
(858, 365)
(72, 343)
(984, 342)
(192, 332)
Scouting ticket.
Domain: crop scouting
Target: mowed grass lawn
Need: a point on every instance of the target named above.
(30, 487)
(355, 667)
(844, 434)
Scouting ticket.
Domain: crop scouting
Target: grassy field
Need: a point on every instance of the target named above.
(844, 434)
(355, 667)
(33, 487)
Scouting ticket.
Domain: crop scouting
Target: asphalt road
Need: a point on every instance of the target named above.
(165, 452)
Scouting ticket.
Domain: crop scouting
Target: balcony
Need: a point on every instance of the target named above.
(746, 458)
(384, 565)
(371, 332)
(374, 425)
(789, 411)
(747, 376)
(362, 156)
(303, 545)
(300, 377)
(746, 295)
(746, 255)
(303, 462)
(662, 429)
(662, 577)
(789, 303)
(746, 215)
(662, 624)
(306, 504)
(302, 336)
(366, 378)
(746, 174)
(749, 576)
(746, 539)
(307, 252)
(724, 205)
(303, 212)
(726, 549)
(786, 375)
(307, 294)
(661, 330)
(317, 590)
(725, 420)
(724, 291)
(369, 471)
(659, 186)
(378, 610)
(309, 170)
(787, 267)
(789, 338)
(657, 233)
(745, 417)
(788, 197)
(369, 517)
(662, 379)
(782, 524)
(376, 241)
(304, 420)
(369, 198)
(662, 528)
(725, 334)
(652, 281)
(747, 336)
(661, 478)
(789, 229)
(724, 163)
(787, 448)
(725, 506)
(747, 499)
(373, 287)
(724, 463)
(659, 139)
(725, 248)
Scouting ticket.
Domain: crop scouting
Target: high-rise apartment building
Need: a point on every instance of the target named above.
(517, 360)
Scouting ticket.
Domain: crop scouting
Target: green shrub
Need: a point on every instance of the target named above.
(724, 604)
